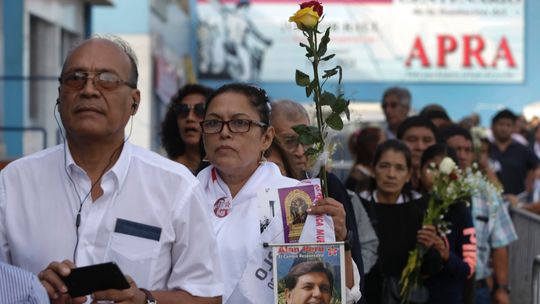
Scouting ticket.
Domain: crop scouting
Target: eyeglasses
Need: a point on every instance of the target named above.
(292, 144)
(391, 105)
(182, 111)
(235, 125)
(103, 81)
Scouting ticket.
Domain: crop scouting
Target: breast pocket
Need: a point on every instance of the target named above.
(135, 248)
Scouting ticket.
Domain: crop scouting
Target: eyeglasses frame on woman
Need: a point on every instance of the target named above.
(223, 123)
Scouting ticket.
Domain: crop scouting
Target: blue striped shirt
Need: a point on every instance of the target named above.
(19, 286)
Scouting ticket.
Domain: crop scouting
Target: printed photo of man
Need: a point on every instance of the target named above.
(309, 282)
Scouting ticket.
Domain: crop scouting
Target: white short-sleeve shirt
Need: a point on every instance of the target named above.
(151, 220)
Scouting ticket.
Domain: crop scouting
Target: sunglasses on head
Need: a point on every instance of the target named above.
(182, 111)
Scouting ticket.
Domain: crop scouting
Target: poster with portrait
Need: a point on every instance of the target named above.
(309, 273)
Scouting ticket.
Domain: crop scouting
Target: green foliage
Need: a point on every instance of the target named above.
(302, 79)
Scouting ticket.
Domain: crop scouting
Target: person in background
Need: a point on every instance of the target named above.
(494, 228)
(236, 133)
(418, 133)
(20, 286)
(521, 130)
(467, 123)
(517, 161)
(476, 119)
(438, 117)
(396, 104)
(180, 130)
(457, 248)
(287, 113)
(279, 155)
(396, 213)
(362, 145)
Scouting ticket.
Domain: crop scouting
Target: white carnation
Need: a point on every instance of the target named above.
(446, 166)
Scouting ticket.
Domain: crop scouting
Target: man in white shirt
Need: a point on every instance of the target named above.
(97, 198)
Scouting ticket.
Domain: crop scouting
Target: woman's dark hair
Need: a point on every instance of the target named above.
(170, 135)
(396, 146)
(279, 147)
(257, 96)
(443, 150)
(438, 150)
(362, 145)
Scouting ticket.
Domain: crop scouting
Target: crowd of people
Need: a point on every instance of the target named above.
(186, 229)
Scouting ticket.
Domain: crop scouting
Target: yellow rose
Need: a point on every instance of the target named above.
(306, 16)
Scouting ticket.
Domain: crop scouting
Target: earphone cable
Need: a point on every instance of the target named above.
(78, 219)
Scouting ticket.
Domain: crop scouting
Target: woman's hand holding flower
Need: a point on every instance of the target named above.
(334, 209)
(427, 236)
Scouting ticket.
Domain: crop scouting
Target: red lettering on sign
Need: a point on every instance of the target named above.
(443, 50)
(468, 52)
(418, 52)
(503, 52)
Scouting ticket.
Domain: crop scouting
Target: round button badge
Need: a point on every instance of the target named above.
(222, 207)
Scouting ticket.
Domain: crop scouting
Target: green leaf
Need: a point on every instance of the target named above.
(330, 73)
(341, 105)
(302, 79)
(340, 73)
(308, 48)
(311, 87)
(301, 129)
(324, 43)
(311, 151)
(348, 113)
(328, 57)
(334, 121)
(305, 140)
(328, 99)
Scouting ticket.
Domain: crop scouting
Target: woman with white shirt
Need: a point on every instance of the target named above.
(396, 213)
(236, 133)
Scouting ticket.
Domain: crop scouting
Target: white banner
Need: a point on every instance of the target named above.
(374, 40)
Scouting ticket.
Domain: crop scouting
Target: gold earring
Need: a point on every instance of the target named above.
(262, 159)
(205, 159)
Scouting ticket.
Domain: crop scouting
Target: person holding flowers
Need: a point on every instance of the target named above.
(494, 228)
(457, 246)
(396, 212)
(236, 133)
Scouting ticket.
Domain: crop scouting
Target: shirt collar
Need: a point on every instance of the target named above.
(119, 170)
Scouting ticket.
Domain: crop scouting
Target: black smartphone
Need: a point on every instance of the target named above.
(83, 281)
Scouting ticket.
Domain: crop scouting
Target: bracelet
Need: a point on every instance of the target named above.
(149, 297)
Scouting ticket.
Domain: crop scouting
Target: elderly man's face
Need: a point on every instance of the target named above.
(312, 288)
(284, 130)
(394, 111)
(90, 113)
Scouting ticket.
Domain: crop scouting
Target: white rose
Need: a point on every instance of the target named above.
(447, 166)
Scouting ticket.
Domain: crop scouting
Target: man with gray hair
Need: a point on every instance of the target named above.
(98, 198)
(285, 114)
(396, 103)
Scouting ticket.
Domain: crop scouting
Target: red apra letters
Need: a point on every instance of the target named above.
(473, 46)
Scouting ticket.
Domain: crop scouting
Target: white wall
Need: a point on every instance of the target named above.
(141, 134)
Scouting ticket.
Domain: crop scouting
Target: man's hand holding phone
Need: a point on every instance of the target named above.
(51, 279)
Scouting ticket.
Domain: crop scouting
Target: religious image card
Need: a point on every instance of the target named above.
(311, 272)
(294, 203)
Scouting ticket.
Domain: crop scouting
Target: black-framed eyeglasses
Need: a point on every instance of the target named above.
(104, 81)
(182, 110)
(235, 125)
(292, 144)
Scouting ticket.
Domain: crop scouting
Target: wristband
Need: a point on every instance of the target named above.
(149, 297)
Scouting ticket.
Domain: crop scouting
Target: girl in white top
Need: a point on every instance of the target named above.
(236, 133)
